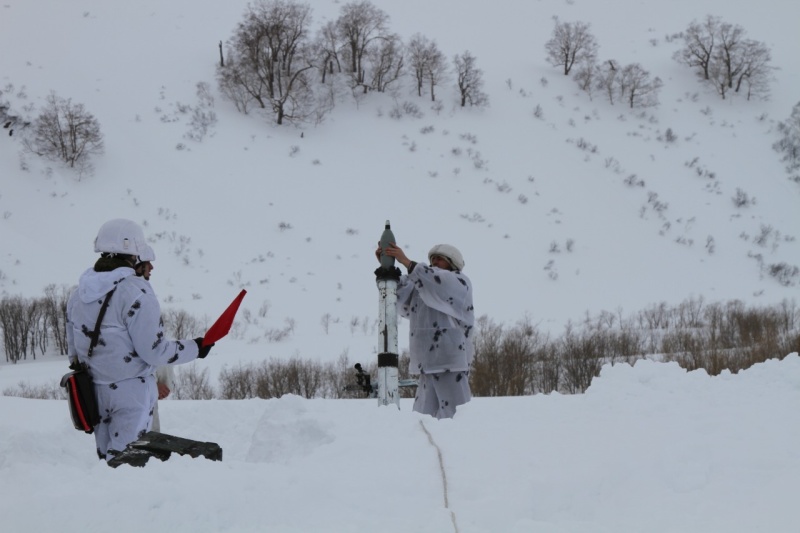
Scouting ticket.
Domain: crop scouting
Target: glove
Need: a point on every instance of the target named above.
(202, 351)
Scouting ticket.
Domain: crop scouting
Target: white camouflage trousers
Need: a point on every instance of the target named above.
(126, 413)
(439, 394)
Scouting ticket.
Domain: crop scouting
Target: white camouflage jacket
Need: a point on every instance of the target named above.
(438, 305)
(132, 341)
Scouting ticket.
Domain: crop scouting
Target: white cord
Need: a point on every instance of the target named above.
(444, 476)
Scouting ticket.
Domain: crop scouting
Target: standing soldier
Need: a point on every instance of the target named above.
(130, 343)
(437, 301)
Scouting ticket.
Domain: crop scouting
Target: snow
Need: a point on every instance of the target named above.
(647, 448)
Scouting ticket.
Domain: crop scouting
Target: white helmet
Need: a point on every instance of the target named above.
(450, 252)
(148, 254)
(120, 236)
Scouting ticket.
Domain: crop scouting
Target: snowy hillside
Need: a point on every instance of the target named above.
(550, 225)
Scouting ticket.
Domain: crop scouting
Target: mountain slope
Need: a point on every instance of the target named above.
(542, 208)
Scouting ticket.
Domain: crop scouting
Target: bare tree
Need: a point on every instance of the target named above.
(571, 44)
(725, 59)
(699, 40)
(548, 373)
(485, 378)
(718, 78)
(241, 83)
(725, 62)
(16, 327)
(325, 322)
(470, 81)
(637, 87)
(269, 58)
(55, 305)
(631, 83)
(65, 131)
(581, 358)
(327, 45)
(730, 39)
(296, 101)
(586, 76)
(359, 26)
(181, 325)
(427, 63)
(756, 72)
(607, 79)
(36, 321)
(387, 61)
(192, 384)
(507, 362)
(419, 48)
(435, 69)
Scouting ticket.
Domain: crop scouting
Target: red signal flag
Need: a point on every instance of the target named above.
(222, 326)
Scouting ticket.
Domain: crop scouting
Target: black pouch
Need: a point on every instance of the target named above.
(82, 400)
